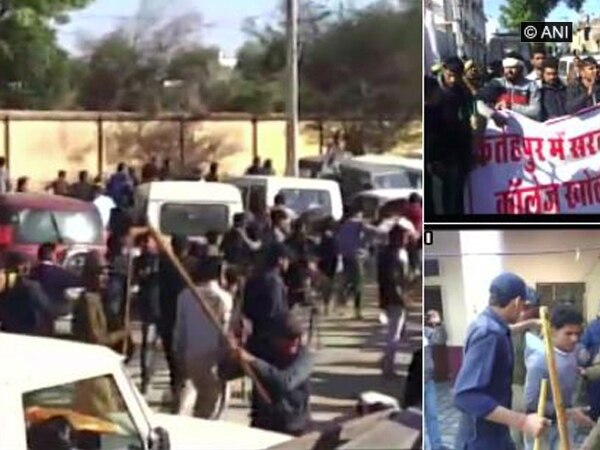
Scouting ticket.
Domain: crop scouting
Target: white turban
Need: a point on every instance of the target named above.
(512, 62)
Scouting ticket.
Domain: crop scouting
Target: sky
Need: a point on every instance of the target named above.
(224, 18)
(561, 13)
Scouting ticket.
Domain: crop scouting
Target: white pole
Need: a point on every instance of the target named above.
(292, 88)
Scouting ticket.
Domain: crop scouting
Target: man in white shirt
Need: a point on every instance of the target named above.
(198, 346)
(104, 204)
(538, 56)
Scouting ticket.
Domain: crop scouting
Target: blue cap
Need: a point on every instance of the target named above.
(508, 286)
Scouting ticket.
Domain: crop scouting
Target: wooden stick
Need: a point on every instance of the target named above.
(559, 407)
(127, 318)
(207, 309)
(541, 409)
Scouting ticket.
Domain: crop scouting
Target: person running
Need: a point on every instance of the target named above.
(351, 241)
(199, 347)
(482, 391)
(328, 256)
(171, 285)
(392, 272)
(265, 296)
(146, 273)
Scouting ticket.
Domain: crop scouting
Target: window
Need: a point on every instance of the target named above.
(398, 180)
(93, 407)
(193, 219)
(302, 200)
(553, 294)
(431, 268)
(68, 227)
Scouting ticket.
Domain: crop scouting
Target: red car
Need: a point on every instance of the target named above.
(28, 220)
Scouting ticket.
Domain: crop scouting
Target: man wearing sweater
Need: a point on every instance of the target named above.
(513, 91)
(567, 326)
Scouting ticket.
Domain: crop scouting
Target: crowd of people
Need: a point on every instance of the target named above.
(497, 389)
(460, 98)
(260, 278)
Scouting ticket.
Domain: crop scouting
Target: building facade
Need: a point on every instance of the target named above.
(561, 265)
(586, 36)
(460, 28)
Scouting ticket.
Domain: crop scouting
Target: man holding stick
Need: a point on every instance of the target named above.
(483, 391)
(566, 325)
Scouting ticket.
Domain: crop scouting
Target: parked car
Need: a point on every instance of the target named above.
(358, 176)
(85, 384)
(28, 220)
(373, 202)
(412, 167)
(301, 194)
(189, 208)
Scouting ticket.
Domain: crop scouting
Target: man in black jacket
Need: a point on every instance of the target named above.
(554, 92)
(584, 92)
(450, 107)
(285, 374)
(265, 296)
(24, 306)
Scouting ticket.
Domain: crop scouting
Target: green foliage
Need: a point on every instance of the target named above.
(34, 71)
(516, 11)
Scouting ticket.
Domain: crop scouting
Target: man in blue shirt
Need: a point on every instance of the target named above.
(483, 391)
(567, 325)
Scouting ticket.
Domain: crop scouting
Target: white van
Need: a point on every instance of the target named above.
(301, 194)
(566, 62)
(86, 385)
(189, 208)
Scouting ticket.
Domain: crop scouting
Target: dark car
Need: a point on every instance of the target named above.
(28, 220)
(357, 176)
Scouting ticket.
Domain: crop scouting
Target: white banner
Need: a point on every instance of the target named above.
(538, 167)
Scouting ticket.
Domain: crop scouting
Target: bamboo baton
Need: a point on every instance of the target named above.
(127, 318)
(207, 309)
(541, 407)
(554, 381)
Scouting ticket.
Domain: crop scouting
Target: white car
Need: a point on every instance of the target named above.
(301, 194)
(43, 379)
(188, 208)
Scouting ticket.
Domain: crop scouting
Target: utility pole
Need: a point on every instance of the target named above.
(291, 168)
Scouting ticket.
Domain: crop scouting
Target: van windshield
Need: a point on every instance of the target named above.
(193, 219)
(303, 200)
(36, 226)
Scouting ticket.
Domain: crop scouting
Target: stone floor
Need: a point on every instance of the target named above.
(347, 363)
(449, 416)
